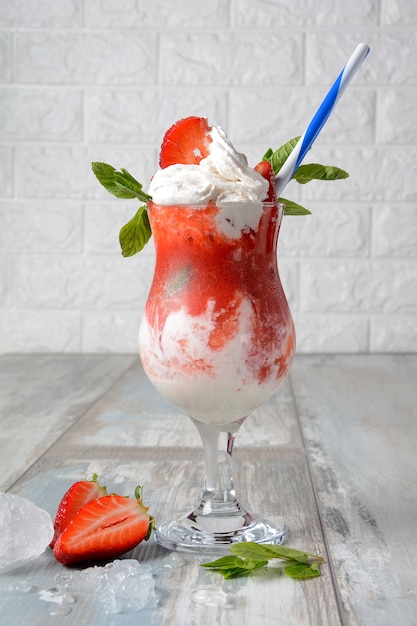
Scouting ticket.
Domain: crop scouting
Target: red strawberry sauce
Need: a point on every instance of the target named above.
(201, 269)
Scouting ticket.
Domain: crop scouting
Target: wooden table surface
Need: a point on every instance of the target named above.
(334, 452)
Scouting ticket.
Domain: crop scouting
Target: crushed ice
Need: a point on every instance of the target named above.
(122, 586)
(25, 531)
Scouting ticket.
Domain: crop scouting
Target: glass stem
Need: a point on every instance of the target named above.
(219, 495)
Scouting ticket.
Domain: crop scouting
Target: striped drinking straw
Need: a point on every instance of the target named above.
(305, 142)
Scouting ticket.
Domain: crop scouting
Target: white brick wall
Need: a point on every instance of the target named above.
(85, 80)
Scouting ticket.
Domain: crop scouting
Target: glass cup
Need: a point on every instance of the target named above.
(217, 339)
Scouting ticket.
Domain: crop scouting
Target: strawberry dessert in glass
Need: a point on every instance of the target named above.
(217, 337)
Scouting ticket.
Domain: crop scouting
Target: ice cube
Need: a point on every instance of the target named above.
(82, 581)
(122, 586)
(25, 530)
(127, 586)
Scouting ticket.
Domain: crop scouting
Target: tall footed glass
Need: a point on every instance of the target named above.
(217, 339)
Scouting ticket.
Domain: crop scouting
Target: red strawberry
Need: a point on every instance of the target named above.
(266, 170)
(74, 499)
(186, 142)
(104, 529)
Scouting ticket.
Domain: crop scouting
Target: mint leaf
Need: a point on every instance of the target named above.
(223, 562)
(136, 233)
(292, 208)
(253, 550)
(120, 184)
(233, 566)
(248, 556)
(267, 154)
(278, 158)
(245, 569)
(302, 571)
(314, 171)
(290, 554)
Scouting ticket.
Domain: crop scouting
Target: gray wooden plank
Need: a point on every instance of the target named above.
(41, 396)
(358, 415)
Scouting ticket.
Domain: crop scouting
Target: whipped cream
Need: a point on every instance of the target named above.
(223, 177)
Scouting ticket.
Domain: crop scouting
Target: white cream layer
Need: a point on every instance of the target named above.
(214, 386)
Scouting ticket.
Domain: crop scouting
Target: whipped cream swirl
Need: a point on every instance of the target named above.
(223, 177)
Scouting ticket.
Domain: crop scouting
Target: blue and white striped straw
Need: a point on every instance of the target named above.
(305, 142)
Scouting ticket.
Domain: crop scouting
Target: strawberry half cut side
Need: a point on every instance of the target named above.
(104, 529)
(187, 142)
(77, 496)
(266, 170)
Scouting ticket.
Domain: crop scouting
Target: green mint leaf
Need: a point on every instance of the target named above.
(302, 571)
(136, 233)
(314, 171)
(252, 550)
(248, 556)
(315, 566)
(267, 154)
(234, 573)
(235, 562)
(120, 184)
(292, 208)
(224, 562)
(249, 567)
(233, 566)
(278, 158)
(290, 554)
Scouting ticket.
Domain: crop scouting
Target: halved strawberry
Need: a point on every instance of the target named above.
(185, 142)
(79, 494)
(266, 170)
(104, 529)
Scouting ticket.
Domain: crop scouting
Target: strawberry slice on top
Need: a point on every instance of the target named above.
(104, 529)
(266, 170)
(187, 142)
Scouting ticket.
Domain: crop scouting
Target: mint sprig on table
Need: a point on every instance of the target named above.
(249, 556)
(137, 232)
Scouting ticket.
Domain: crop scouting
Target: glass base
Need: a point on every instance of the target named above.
(211, 534)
